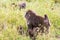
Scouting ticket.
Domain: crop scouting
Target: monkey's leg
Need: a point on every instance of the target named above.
(47, 30)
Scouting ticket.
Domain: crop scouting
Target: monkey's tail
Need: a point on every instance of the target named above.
(45, 16)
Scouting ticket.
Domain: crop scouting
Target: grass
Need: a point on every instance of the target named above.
(12, 17)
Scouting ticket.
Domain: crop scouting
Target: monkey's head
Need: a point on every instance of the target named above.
(29, 14)
(22, 5)
(46, 20)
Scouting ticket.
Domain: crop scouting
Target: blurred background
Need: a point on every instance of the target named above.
(12, 16)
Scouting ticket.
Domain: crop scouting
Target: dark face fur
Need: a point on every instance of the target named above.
(29, 14)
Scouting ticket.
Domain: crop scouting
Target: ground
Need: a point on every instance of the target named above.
(11, 17)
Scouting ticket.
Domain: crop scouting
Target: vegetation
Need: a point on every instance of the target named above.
(11, 17)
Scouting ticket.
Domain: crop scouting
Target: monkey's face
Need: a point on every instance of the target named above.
(27, 15)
